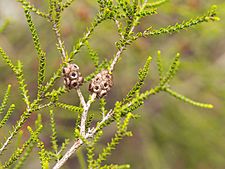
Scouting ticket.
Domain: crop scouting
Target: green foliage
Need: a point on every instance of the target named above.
(63, 147)
(67, 4)
(5, 99)
(120, 133)
(53, 127)
(37, 45)
(100, 17)
(103, 65)
(56, 75)
(160, 66)
(112, 166)
(22, 84)
(172, 70)
(43, 155)
(81, 159)
(68, 107)
(102, 106)
(210, 16)
(126, 15)
(142, 74)
(27, 145)
(16, 128)
(7, 115)
(187, 100)
(94, 55)
(30, 7)
(155, 4)
(91, 148)
(7, 60)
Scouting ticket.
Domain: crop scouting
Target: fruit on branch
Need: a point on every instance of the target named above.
(72, 76)
(101, 83)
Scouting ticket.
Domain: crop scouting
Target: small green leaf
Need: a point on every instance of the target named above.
(187, 100)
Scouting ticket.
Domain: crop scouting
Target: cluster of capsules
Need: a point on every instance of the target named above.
(100, 84)
(72, 76)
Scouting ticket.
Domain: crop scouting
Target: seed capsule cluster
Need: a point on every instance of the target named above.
(101, 83)
(72, 76)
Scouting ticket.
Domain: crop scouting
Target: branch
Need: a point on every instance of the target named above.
(77, 46)
(92, 132)
(126, 41)
(210, 16)
(32, 8)
(79, 142)
(85, 113)
(60, 42)
(68, 154)
(116, 58)
(80, 95)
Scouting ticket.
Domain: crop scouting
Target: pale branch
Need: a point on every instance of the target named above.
(45, 105)
(60, 42)
(119, 27)
(19, 124)
(85, 114)
(76, 47)
(92, 132)
(21, 121)
(116, 58)
(122, 48)
(68, 154)
(81, 97)
(79, 142)
(81, 43)
(55, 27)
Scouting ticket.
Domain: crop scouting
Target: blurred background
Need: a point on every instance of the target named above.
(169, 134)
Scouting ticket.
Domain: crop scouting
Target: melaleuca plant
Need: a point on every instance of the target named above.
(126, 15)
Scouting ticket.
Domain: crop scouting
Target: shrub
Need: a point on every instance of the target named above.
(126, 15)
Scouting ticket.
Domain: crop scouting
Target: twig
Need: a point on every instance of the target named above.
(118, 54)
(118, 27)
(60, 42)
(81, 42)
(98, 19)
(68, 154)
(84, 115)
(16, 128)
(44, 105)
(79, 142)
(93, 131)
(80, 95)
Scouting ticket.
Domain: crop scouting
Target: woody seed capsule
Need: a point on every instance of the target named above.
(72, 76)
(101, 83)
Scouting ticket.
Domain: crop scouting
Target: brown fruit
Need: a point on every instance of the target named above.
(101, 83)
(72, 76)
